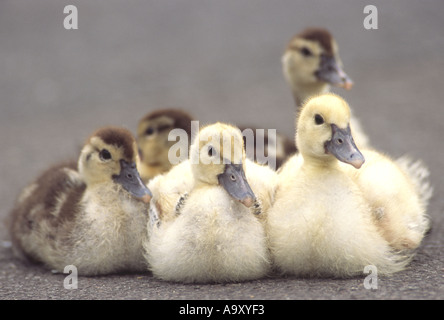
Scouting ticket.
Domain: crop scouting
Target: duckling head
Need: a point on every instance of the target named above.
(152, 135)
(311, 63)
(323, 131)
(109, 156)
(217, 156)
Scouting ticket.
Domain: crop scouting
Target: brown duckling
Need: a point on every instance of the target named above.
(91, 215)
(153, 143)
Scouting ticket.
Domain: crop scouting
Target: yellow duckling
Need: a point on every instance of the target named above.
(92, 215)
(215, 235)
(152, 139)
(311, 64)
(320, 223)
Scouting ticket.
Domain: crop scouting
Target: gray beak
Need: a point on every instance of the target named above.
(331, 72)
(129, 179)
(235, 183)
(343, 147)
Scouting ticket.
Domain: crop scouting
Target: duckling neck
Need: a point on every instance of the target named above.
(301, 92)
(110, 195)
(315, 163)
(198, 184)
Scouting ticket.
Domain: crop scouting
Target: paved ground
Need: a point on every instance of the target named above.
(221, 61)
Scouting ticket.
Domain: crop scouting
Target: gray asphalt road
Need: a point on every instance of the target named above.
(221, 61)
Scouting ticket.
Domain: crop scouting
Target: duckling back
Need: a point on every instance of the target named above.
(46, 206)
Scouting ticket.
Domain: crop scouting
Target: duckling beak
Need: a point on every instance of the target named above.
(235, 183)
(331, 72)
(343, 147)
(130, 180)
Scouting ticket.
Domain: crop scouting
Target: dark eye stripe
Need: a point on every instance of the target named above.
(306, 52)
(163, 128)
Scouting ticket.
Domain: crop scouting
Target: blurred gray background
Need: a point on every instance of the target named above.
(220, 60)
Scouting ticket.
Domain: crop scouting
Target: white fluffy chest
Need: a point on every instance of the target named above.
(117, 225)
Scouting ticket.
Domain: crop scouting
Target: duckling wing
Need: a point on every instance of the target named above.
(398, 192)
(168, 189)
(262, 180)
(44, 210)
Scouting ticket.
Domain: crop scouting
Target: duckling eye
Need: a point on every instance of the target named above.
(233, 178)
(104, 155)
(211, 151)
(149, 131)
(306, 52)
(318, 119)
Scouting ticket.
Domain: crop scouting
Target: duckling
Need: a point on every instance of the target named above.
(91, 215)
(320, 223)
(311, 63)
(152, 139)
(215, 235)
(398, 199)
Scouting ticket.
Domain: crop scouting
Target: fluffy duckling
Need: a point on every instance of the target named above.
(215, 235)
(397, 196)
(152, 139)
(91, 215)
(320, 223)
(311, 64)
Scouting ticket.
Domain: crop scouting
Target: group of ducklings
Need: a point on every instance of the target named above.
(335, 205)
